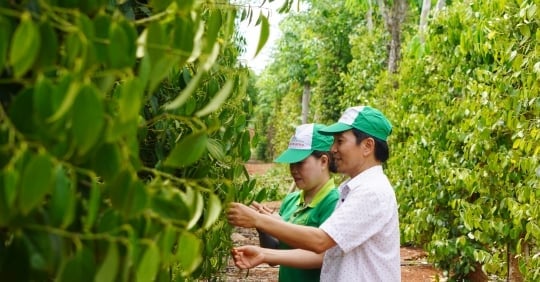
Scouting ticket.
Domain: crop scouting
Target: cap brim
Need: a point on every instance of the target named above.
(293, 156)
(335, 128)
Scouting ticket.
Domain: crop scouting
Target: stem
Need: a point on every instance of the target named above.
(152, 18)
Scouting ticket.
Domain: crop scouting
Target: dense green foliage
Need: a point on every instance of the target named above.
(467, 139)
(466, 143)
(123, 129)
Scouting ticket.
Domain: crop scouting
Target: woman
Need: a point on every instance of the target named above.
(310, 166)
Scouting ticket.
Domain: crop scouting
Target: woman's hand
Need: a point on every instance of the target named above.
(247, 256)
(262, 209)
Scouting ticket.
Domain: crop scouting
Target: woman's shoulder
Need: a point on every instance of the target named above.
(293, 196)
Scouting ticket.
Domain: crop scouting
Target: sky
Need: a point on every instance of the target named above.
(252, 33)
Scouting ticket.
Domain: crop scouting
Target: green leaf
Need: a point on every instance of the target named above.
(194, 201)
(218, 100)
(67, 101)
(36, 182)
(212, 31)
(88, 119)
(230, 21)
(19, 112)
(93, 206)
(185, 5)
(189, 252)
(183, 35)
(160, 70)
(107, 161)
(80, 267)
(62, 200)
(17, 265)
(167, 239)
(129, 102)
(170, 207)
(213, 211)
(188, 150)
(109, 268)
(159, 5)
(128, 194)
(118, 46)
(25, 45)
(49, 48)
(87, 58)
(261, 196)
(148, 267)
(109, 220)
(265, 32)
(90, 6)
(185, 94)
(215, 149)
(155, 43)
(245, 148)
(5, 34)
(73, 47)
(9, 186)
(131, 48)
(159, 59)
(101, 28)
(42, 98)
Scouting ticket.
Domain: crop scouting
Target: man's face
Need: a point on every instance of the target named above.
(347, 154)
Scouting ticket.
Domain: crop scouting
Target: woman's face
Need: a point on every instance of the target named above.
(309, 173)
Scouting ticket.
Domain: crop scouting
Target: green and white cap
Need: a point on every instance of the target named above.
(364, 118)
(306, 139)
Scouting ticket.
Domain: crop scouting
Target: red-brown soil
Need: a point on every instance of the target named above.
(414, 267)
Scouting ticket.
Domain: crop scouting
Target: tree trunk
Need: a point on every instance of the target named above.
(440, 5)
(477, 275)
(394, 50)
(393, 19)
(305, 101)
(369, 17)
(514, 274)
(426, 7)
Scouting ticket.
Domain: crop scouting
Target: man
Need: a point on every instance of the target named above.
(361, 237)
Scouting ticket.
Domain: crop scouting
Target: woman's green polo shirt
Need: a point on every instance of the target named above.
(293, 209)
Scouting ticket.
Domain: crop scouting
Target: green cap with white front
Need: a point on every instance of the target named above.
(306, 139)
(364, 118)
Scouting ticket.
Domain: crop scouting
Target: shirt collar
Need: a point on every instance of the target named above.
(361, 177)
(321, 194)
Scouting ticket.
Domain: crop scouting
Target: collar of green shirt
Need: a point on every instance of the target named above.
(320, 195)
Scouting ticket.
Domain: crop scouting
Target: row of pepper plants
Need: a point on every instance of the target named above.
(466, 146)
(465, 107)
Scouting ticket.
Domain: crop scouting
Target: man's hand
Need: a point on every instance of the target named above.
(241, 215)
(247, 256)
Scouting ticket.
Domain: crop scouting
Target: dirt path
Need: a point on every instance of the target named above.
(414, 266)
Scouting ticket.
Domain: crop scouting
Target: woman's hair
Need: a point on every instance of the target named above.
(331, 163)
(382, 153)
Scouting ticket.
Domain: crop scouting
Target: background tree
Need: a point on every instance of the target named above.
(308, 60)
(464, 146)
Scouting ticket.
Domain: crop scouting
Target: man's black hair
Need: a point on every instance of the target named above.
(382, 153)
